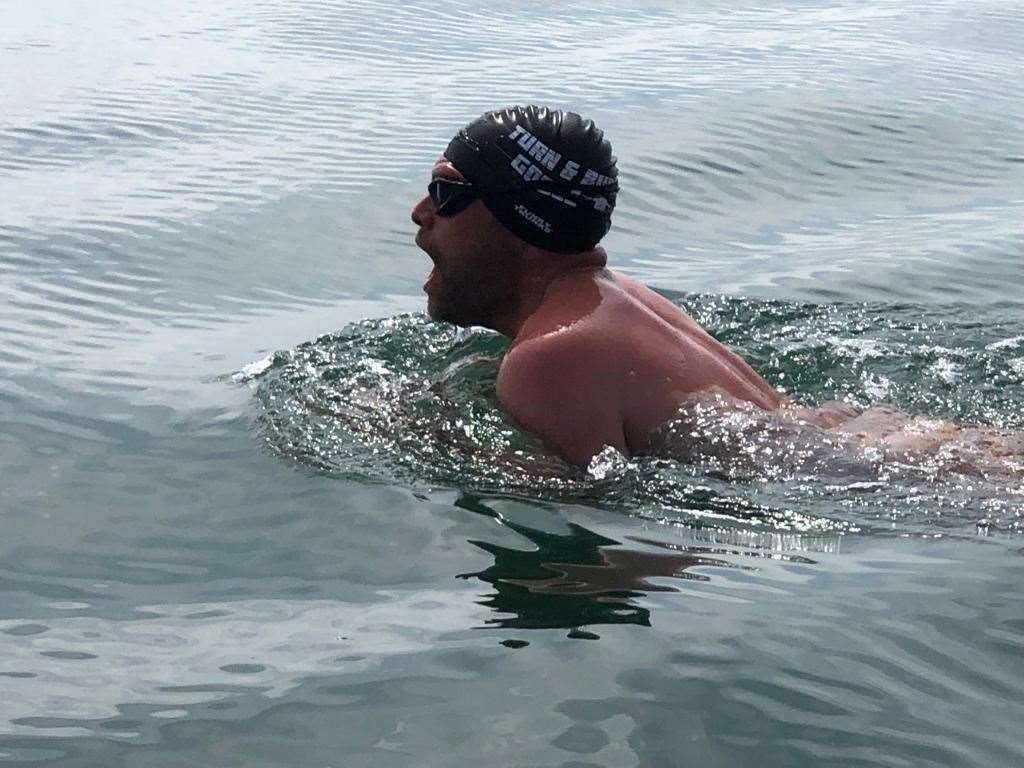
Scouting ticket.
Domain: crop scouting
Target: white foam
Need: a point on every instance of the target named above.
(1013, 341)
(608, 462)
(253, 369)
(946, 370)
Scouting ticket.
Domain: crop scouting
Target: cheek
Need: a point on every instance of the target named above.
(457, 241)
(497, 237)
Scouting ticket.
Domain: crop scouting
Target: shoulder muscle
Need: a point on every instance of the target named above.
(563, 393)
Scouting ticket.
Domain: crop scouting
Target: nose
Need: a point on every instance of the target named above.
(423, 212)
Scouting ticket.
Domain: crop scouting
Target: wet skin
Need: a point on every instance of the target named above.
(596, 358)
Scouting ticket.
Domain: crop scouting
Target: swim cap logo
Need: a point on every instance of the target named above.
(539, 156)
(548, 176)
(533, 218)
(536, 156)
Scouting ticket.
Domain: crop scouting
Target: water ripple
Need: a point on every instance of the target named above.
(188, 187)
(406, 400)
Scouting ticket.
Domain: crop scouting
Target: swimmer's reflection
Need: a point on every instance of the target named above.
(574, 579)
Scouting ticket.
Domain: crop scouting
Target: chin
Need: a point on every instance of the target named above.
(432, 311)
(442, 312)
(438, 310)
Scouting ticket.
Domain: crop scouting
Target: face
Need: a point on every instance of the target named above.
(474, 259)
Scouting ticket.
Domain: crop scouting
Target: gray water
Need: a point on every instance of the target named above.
(257, 510)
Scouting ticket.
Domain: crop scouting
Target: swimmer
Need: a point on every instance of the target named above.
(516, 208)
(514, 213)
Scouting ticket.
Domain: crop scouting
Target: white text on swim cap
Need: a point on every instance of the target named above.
(526, 169)
(536, 150)
(533, 218)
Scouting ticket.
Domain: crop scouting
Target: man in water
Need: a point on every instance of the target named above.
(515, 209)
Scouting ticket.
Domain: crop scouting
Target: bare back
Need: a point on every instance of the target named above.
(605, 361)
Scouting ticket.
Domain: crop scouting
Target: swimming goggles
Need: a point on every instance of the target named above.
(451, 197)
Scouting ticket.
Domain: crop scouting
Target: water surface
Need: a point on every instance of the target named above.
(258, 510)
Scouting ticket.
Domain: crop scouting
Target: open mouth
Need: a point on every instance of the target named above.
(434, 275)
(432, 279)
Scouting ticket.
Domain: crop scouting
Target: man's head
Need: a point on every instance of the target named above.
(512, 182)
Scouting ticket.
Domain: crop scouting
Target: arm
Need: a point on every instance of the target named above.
(563, 394)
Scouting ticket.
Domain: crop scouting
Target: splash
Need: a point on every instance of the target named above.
(408, 401)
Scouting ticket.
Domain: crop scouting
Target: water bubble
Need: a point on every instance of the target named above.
(607, 463)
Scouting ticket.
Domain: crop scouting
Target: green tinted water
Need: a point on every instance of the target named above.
(407, 400)
(230, 539)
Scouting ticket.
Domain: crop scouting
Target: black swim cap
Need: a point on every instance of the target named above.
(548, 176)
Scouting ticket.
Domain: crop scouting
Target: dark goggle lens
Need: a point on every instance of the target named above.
(449, 196)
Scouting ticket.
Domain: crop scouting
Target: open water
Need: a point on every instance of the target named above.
(257, 510)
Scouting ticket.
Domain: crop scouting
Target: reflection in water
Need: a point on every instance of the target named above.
(169, 598)
(574, 579)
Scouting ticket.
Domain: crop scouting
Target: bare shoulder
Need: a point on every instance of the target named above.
(568, 360)
(657, 304)
(561, 387)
